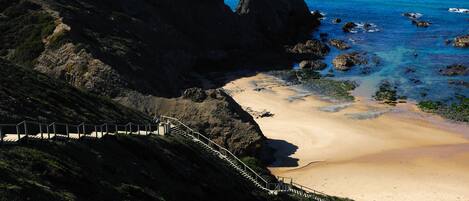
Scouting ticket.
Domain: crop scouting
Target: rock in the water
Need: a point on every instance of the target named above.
(336, 20)
(345, 62)
(455, 70)
(349, 26)
(462, 41)
(311, 47)
(421, 23)
(459, 83)
(412, 15)
(313, 64)
(339, 44)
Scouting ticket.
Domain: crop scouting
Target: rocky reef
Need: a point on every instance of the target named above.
(455, 70)
(462, 41)
(339, 44)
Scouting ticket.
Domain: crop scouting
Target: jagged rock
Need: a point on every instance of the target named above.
(455, 70)
(311, 47)
(339, 44)
(313, 64)
(459, 83)
(195, 94)
(412, 15)
(336, 20)
(462, 41)
(345, 62)
(347, 28)
(421, 23)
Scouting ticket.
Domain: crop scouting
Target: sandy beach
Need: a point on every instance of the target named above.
(364, 150)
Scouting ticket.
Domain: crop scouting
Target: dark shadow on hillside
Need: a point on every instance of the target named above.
(283, 152)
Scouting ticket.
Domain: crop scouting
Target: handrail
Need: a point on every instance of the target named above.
(220, 147)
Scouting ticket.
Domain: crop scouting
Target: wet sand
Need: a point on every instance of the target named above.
(397, 153)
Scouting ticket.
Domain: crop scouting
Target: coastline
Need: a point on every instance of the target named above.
(399, 153)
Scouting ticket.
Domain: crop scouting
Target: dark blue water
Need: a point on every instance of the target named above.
(398, 42)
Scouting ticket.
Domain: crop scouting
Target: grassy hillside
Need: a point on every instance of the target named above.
(27, 94)
(119, 168)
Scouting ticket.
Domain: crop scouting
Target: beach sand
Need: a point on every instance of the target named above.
(401, 154)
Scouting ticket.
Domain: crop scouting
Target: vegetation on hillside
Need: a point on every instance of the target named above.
(23, 26)
(27, 94)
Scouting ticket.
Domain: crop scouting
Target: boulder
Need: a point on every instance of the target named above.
(455, 70)
(421, 23)
(311, 47)
(336, 20)
(345, 62)
(462, 41)
(412, 15)
(313, 64)
(339, 44)
(195, 94)
(347, 28)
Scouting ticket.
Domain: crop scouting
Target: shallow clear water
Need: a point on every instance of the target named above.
(398, 42)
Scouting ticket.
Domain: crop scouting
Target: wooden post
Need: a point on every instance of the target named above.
(40, 131)
(78, 129)
(25, 129)
(1, 135)
(130, 128)
(48, 132)
(96, 131)
(107, 131)
(117, 131)
(18, 132)
(66, 131)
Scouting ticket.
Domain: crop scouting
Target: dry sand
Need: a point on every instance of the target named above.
(399, 155)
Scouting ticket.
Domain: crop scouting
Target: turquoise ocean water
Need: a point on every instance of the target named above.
(399, 44)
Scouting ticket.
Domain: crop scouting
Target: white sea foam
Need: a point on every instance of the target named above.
(459, 10)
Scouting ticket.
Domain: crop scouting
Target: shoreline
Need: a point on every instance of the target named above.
(407, 152)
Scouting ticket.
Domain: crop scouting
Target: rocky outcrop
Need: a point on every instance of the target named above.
(313, 64)
(339, 44)
(345, 62)
(336, 20)
(310, 48)
(212, 112)
(348, 27)
(412, 16)
(462, 41)
(279, 19)
(421, 23)
(455, 70)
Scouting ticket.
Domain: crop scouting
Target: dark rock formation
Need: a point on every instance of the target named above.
(280, 19)
(313, 64)
(336, 20)
(218, 117)
(339, 44)
(311, 48)
(459, 83)
(421, 23)
(462, 41)
(345, 62)
(347, 28)
(455, 70)
(412, 16)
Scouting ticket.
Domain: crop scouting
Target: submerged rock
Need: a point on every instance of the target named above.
(421, 23)
(339, 44)
(462, 41)
(336, 20)
(347, 28)
(313, 64)
(459, 83)
(412, 15)
(455, 70)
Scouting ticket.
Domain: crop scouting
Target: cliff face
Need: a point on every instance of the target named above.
(136, 51)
